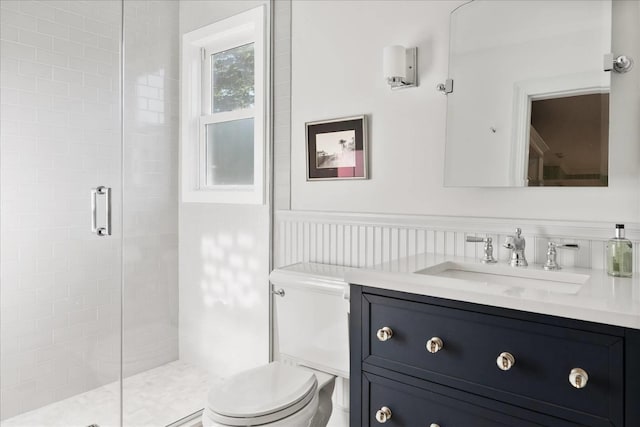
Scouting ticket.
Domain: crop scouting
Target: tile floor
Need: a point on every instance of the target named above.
(339, 418)
(153, 398)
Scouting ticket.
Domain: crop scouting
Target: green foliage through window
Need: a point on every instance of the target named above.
(233, 79)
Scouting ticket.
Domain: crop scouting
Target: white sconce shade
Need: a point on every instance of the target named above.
(395, 62)
(399, 66)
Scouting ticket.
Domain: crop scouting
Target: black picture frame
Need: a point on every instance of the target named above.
(337, 149)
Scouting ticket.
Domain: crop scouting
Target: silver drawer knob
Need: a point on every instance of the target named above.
(434, 425)
(505, 361)
(384, 333)
(383, 415)
(578, 378)
(434, 345)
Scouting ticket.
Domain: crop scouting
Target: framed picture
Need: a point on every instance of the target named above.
(337, 149)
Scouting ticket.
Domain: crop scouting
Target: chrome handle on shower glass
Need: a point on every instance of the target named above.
(95, 192)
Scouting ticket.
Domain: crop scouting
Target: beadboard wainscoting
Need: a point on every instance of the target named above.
(364, 240)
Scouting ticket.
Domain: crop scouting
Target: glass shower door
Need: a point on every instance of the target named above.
(157, 386)
(60, 270)
(169, 356)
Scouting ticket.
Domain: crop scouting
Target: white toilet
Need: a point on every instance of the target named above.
(311, 306)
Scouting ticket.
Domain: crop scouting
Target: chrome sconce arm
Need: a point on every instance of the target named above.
(446, 87)
(619, 64)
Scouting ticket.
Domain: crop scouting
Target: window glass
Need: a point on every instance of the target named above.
(229, 147)
(233, 79)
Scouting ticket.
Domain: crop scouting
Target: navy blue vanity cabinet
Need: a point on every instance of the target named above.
(418, 403)
(421, 357)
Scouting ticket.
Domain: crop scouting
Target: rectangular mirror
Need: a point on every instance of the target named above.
(530, 100)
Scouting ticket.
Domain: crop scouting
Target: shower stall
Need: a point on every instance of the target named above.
(111, 283)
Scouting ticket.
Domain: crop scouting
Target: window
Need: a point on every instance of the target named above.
(223, 111)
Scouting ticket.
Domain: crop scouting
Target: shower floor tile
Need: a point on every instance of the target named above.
(153, 398)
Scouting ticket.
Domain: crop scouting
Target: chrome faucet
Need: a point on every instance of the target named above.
(488, 248)
(516, 243)
(551, 263)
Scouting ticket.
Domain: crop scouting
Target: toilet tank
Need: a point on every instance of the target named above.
(311, 317)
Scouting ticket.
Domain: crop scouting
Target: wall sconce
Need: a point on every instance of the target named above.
(400, 66)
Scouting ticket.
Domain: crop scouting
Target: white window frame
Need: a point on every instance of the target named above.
(195, 112)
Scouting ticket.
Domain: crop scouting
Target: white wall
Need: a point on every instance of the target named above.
(224, 260)
(336, 71)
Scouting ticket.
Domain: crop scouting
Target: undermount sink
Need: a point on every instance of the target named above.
(506, 279)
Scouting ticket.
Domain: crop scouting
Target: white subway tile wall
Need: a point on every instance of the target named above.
(60, 284)
(282, 105)
(60, 136)
(364, 240)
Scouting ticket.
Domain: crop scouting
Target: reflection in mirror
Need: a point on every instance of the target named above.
(530, 105)
(569, 141)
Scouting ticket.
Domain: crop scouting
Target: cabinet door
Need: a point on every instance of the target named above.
(413, 406)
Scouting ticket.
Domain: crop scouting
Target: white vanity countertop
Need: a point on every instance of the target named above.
(601, 299)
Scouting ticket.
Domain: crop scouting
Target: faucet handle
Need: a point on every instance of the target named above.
(488, 248)
(564, 245)
(551, 263)
(474, 239)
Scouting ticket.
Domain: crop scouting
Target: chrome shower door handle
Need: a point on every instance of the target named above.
(94, 210)
(95, 192)
(107, 213)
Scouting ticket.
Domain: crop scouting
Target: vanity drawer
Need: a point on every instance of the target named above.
(424, 404)
(544, 356)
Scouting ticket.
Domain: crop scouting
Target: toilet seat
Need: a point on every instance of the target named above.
(261, 395)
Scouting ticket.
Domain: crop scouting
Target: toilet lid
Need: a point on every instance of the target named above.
(265, 390)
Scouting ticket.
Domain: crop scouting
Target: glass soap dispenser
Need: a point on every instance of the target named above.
(619, 254)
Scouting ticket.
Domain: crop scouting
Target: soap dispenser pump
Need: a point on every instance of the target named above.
(619, 254)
